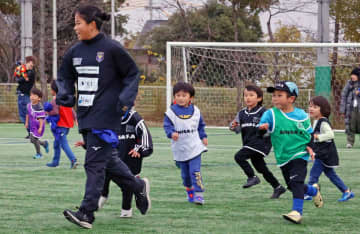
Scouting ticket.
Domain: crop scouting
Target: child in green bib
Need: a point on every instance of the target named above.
(291, 136)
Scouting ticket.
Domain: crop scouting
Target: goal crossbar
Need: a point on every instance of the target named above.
(187, 67)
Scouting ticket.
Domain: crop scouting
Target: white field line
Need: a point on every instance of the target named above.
(167, 146)
(18, 125)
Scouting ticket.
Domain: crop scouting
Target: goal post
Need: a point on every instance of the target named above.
(219, 72)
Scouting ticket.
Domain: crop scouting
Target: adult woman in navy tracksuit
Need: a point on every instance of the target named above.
(107, 84)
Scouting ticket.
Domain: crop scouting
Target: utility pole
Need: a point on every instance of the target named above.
(323, 69)
(54, 65)
(113, 19)
(28, 45)
(151, 9)
(22, 4)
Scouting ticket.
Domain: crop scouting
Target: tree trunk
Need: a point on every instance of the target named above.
(187, 24)
(268, 24)
(43, 78)
(235, 18)
(208, 23)
(6, 70)
(239, 94)
(276, 55)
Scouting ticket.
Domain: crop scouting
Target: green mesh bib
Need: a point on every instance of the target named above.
(289, 137)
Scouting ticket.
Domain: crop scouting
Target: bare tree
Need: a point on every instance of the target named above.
(275, 8)
(9, 42)
(180, 6)
(43, 76)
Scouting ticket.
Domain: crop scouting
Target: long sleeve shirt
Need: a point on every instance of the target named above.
(326, 132)
(180, 110)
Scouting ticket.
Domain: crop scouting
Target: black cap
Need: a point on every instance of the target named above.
(287, 86)
(356, 72)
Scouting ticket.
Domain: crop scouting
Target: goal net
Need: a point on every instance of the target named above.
(220, 71)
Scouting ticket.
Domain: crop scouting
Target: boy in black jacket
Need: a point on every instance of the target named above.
(135, 143)
(254, 147)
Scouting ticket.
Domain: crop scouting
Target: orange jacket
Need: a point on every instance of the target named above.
(67, 116)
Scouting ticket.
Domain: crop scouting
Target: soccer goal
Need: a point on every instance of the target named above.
(220, 71)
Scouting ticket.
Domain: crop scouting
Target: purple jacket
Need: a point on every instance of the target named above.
(35, 113)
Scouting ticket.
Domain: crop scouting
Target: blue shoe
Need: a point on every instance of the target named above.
(346, 196)
(74, 164)
(52, 164)
(307, 198)
(190, 194)
(37, 156)
(46, 147)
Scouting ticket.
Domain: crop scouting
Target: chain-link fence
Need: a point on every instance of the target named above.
(220, 71)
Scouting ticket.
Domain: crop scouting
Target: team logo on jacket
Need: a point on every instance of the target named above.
(77, 61)
(100, 57)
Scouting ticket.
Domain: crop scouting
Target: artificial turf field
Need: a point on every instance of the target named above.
(33, 196)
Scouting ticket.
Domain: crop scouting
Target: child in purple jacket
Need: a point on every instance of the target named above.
(35, 118)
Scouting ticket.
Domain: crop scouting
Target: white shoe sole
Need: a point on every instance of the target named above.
(147, 184)
(76, 221)
(293, 219)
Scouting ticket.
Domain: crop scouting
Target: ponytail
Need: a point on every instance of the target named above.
(92, 13)
(103, 16)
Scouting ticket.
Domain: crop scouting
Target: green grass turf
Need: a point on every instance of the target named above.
(33, 197)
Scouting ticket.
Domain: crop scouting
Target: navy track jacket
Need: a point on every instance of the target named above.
(107, 80)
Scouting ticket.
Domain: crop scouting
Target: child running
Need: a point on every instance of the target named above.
(62, 119)
(291, 136)
(184, 125)
(326, 156)
(135, 143)
(254, 147)
(35, 118)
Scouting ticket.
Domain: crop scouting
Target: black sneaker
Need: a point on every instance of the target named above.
(79, 218)
(277, 192)
(142, 199)
(27, 137)
(251, 182)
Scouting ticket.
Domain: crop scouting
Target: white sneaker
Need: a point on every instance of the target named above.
(102, 201)
(317, 199)
(126, 213)
(293, 216)
(348, 145)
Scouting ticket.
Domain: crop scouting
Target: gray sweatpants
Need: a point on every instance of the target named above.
(37, 142)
